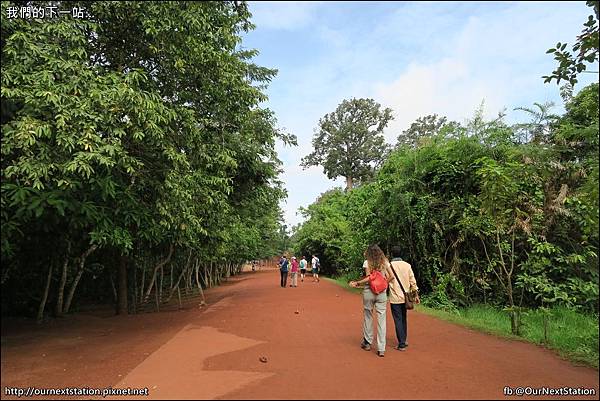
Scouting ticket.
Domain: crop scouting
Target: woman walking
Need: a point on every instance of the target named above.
(375, 263)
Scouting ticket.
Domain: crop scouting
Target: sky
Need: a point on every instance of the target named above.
(417, 58)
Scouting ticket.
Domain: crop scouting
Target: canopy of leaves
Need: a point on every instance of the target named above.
(349, 141)
(425, 127)
(134, 128)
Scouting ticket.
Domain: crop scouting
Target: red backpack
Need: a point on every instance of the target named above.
(377, 282)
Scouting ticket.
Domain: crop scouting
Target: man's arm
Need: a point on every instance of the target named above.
(413, 284)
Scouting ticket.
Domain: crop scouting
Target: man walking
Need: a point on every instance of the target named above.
(303, 264)
(316, 265)
(283, 269)
(404, 273)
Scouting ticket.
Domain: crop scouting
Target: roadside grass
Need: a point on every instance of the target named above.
(573, 335)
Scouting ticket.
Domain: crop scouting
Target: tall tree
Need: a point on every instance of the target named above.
(349, 142)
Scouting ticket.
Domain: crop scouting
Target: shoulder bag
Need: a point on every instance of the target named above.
(408, 297)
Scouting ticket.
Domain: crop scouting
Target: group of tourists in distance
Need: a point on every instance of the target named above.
(296, 267)
(384, 281)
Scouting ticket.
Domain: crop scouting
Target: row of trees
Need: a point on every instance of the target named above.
(485, 211)
(135, 156)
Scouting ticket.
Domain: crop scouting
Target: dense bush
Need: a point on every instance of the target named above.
(483, 215)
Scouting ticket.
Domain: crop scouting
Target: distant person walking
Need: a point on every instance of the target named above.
(283, 269)
(316, 265)
(406, 276)
(376, 263)
(294, 272)
(303, 264)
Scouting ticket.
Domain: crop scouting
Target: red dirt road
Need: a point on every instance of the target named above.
(213, 353)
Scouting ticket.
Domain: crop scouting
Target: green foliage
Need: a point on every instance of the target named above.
(135, 129)
(482, 212)
(424, 128)
(325, 232)
(443, 294)
(539, 128)
(585, 50)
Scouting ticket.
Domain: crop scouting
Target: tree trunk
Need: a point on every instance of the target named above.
(176, 286)
(142, 284)
(6, 273)
(198, 283)
(78, 277)
(157, 302)
(191, 275)
(202, 294)
(208, 274)
(349, 183)
(160, 287)
(188, 277)
(135, 289)
(114, 288)
(158, 266)
(61, 287)
(196, 268)
(122, 299)
(214, 276)
(515, 322)
(205, 275)
(40, 315)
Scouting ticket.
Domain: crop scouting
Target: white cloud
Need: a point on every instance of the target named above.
(286, 15)
(446, 88)
(494, 57)
(419, 58)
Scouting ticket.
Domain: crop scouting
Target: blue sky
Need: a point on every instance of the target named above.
(417, 58)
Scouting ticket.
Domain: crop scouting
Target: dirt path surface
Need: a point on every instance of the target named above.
(214, 352)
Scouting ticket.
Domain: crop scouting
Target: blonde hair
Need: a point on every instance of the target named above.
(376, 258)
